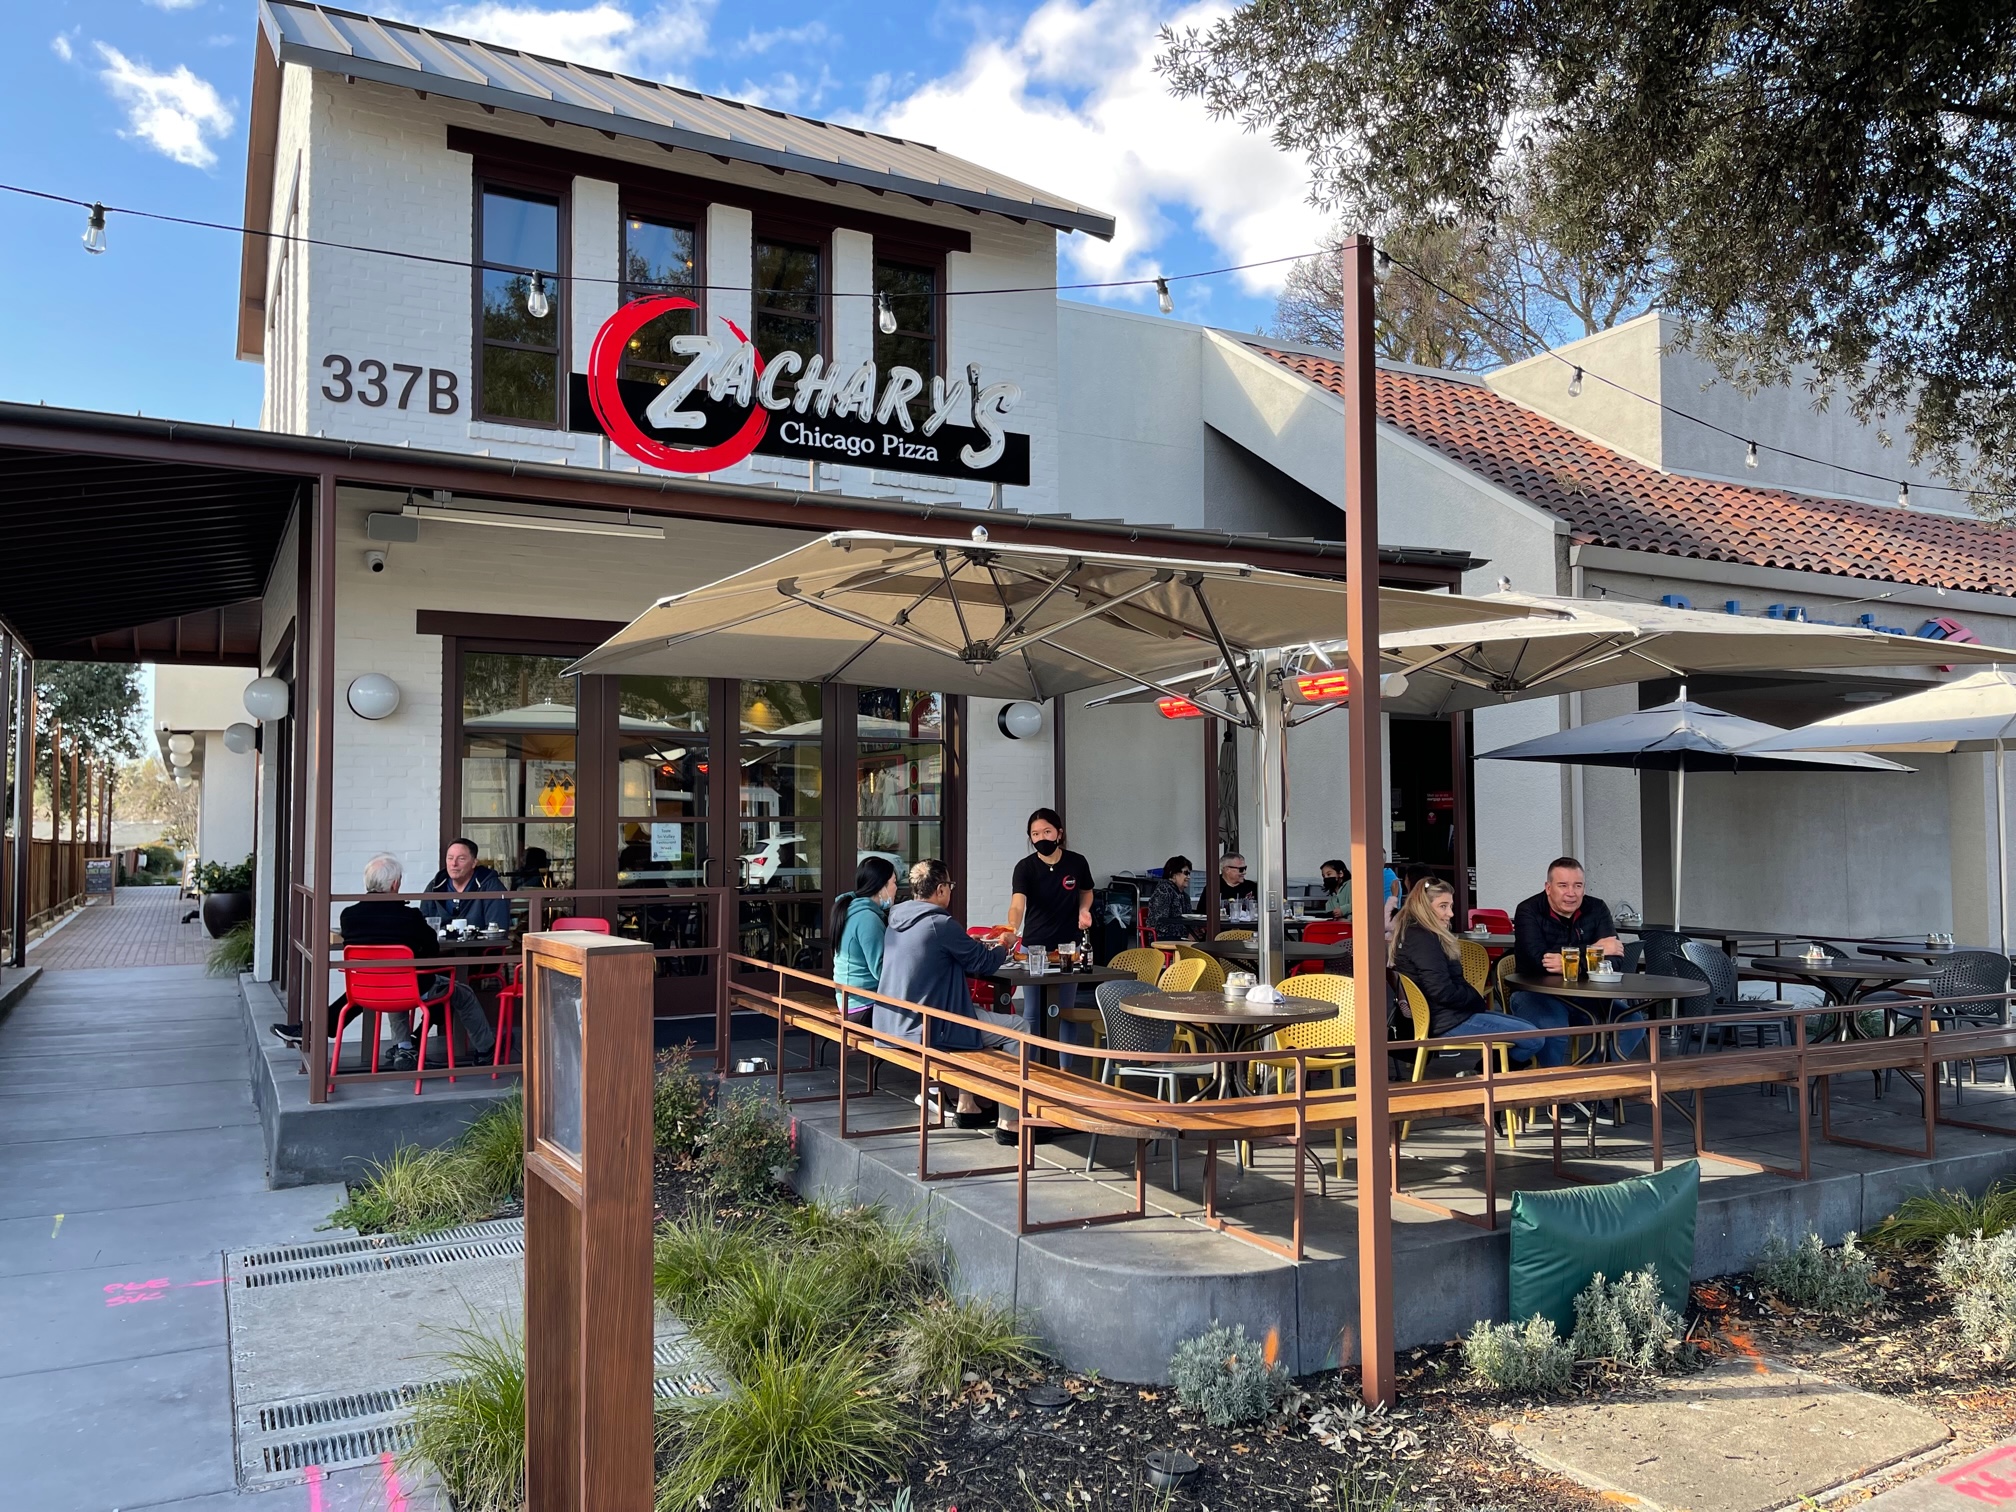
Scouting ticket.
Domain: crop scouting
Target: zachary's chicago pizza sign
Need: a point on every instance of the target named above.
(728, 402)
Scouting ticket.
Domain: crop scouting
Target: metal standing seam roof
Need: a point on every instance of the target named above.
(416, 57)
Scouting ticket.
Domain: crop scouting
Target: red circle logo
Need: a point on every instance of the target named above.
(605, 361)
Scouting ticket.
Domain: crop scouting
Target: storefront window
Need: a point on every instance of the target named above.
(782, 803)
(519, 353)
(912, 295)
(662, 800)
(790, 299)
(899, 780)
(658, 259)
(518, 766)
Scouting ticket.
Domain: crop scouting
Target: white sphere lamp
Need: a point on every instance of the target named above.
(374, 696)
(1021, 720)
(266, 699)
(240, 738)
(183, 743)
(180, 759)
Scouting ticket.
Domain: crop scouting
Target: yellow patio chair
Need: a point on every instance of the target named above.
(1211, 978)
(1338, 1033)
(1476, 967)
(1498, 994)
(1417, 1009)
(1147, 965)
(1235, 934)
(1181, 977)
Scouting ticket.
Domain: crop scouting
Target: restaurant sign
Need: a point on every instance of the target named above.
(728, 402)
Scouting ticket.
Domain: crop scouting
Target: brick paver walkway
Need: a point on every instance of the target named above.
(142, 927)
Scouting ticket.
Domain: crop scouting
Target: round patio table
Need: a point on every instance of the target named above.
(1489, 941)
(1019, 977)
(1842, 983)
(1294, 952)
(1930, 953)
(1628, 986)
(1228, 1028)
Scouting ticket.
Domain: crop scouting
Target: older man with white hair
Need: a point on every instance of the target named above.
(387, 921)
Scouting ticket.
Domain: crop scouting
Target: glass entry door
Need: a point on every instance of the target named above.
(780, 839)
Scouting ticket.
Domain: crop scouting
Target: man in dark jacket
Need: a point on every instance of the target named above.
(1564, 917)
(460, 874)
(926, 958)
(387, 921)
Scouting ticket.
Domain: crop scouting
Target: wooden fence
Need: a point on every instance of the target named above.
(55, 879)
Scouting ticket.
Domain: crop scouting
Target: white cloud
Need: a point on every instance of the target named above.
(177, 114)
(174, 5)
(60, 45)
(812, 33)
(1072, 105)
(602, 35)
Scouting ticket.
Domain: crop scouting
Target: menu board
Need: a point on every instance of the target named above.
(98, 878)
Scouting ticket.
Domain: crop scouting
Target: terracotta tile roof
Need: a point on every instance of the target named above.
(1607, 499)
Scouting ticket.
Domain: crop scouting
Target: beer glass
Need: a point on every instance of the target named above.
(1595, 957)
(1571, 964)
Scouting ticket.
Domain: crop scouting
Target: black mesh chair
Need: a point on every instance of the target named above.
(1127, 1032)
(1966, 972)
(1661, 952)
(1709, 964)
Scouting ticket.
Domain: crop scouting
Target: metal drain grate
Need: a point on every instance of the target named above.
(385, 1260)
(336, 1451)
(678, 1371)
(283, 1417)
(691, 1384)
(294, 1254)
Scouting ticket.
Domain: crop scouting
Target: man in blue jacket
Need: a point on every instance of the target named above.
(927, 957)
(460, 874)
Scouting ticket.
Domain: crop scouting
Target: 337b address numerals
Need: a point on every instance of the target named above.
(375, 384)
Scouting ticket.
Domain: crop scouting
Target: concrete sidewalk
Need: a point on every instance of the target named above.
(130, 1158)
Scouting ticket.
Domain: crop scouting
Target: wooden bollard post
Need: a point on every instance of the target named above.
(587, 1223)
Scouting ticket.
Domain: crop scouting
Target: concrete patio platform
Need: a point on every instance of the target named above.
(1119, 1297)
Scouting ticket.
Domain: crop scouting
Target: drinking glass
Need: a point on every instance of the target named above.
(1595, 956)
(1571, 965)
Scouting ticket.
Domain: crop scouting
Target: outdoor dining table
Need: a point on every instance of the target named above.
(1489, 940)
(1843, 980)
(1019, 977)
(1228, 1027)
(1934, 954)
(1294, 952)
(1626, 986)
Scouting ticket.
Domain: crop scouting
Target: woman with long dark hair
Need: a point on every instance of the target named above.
(859, 919)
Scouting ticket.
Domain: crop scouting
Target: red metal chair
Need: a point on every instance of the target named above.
(986, 994)
(390, 990)
(586, 922)
(511, 995)
(1496, 920)
(1327, 932)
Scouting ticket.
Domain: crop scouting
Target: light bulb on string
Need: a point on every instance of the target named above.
(537, 305)
(1575, 385)
(885, 315)
(1382, 266)
(1750, 457)
(94, 233)
(1904, 495)
(1162, 297)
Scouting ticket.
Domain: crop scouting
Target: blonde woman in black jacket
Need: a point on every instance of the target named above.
(1425, 950)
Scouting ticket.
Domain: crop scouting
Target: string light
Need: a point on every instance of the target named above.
(1575, 385)
(536, 303)
(1167, 304)
(94, 233)
(885, 315)
(1382, 266)
(1904, 494)
(1750, 457)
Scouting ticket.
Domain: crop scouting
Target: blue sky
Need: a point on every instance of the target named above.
(143, 102)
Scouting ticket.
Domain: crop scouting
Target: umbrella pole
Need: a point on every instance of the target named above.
(1679, 840)
(1271, 739)
(2001, 853)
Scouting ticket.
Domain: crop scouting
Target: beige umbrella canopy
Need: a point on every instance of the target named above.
(1571, 645)
(999, 621)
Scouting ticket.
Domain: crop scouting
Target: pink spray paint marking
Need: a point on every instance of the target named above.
(395, 1494)
(315, 1488)
(120, 1293)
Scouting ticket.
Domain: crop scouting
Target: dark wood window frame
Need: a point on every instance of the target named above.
(901, 255)
(665, 213)
(560, 190)
(791, 233)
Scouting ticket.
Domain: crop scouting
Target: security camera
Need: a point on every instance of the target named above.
(375, 560)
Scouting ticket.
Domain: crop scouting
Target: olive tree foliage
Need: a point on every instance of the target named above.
(1516, 290)
(97, 703)
(1829, 185)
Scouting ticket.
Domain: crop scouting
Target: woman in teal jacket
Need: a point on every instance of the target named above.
(859, 918)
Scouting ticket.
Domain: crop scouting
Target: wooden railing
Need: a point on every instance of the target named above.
(55, 879)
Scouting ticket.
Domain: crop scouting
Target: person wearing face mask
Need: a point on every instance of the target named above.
(1052, 903)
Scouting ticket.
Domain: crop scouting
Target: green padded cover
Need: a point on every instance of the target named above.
(1561, 1239)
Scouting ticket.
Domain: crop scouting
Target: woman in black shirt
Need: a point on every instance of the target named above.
(1052, 903)
(1425, 950)
(1171, 900)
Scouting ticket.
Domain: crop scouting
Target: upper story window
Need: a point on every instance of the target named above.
(911, 290)
(519, 375)
(790, 299)
(658, 259)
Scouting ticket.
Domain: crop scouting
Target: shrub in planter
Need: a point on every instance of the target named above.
(939, 1342)
(1932, 1218)
(744, 1144)
(227, 896)
(694, 1254)
(232, 953)
(1981, 1275)
(678, 1101)
(1839, 1282)
(1627, 1324)
(471, 1431)
(1226, 1374)
(1524, 1357)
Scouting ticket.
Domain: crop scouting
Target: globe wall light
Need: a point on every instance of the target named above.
(240, 738)
(266, 699)
(374, 696)
(1020, 721)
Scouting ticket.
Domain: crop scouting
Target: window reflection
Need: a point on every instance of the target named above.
(517, 749)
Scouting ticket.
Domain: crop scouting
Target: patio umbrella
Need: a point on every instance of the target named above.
(1009, 622)
(1573, 645)
(1976, 713)
(1681, 737)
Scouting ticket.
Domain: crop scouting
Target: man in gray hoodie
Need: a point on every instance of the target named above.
(926, 958)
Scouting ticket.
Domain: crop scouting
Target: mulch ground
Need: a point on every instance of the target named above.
(991, 1450)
